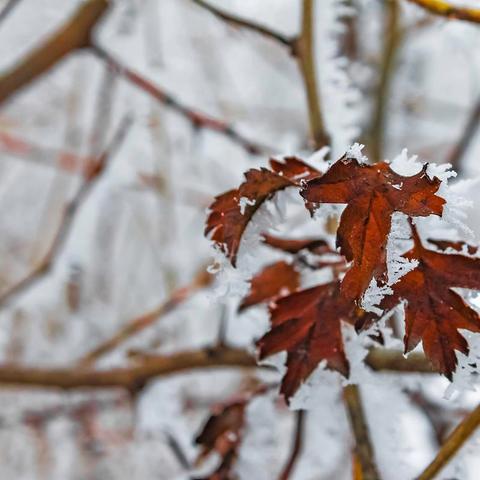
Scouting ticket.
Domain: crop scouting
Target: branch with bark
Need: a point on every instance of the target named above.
(446, 9)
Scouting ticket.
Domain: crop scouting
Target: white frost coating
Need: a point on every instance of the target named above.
(355, 151)
(243, 202)
(405, 165)
(397, 244)
(373, 296)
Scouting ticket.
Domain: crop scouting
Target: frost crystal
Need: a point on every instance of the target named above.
(243, 202)
(355, 151)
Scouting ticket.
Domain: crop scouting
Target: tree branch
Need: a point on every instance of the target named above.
(363, 447)
(445, 9)
(131, 378)
(382, 359)
(150, 366)
(304, 50)
(92, 174)
(73, 35)
(471, 128)
(296, 447)
(241, 22)
(8, 9)
(196, 118)
(140, 323)
(453, 443)
(393, 37)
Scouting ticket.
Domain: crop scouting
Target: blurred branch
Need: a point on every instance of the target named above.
(131, 378)
(452, 445)
(40, 155)
(457, 155)
(74, 34)
(196, 118)
(445, 9)
(393, 360)
(363, 447)
(304, 50)
(140, 323)
(240, 22)
(150, 366)
(8, 8)
(296, 446)
(393, 38)
(92, 175)
(301, 47)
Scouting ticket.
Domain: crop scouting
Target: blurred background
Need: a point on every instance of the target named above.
(177, 103)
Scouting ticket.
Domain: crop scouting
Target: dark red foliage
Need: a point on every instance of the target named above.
(307, 325)
(372, 194)
(433, 311)
(273, 281)
(227, 221)
(316, 245)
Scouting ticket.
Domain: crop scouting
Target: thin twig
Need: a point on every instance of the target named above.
(248, 25)
(8, 9)
(74, 34)
(304, 50)
(457, 155)
(140, 323)
(92, 175)
(296, 447)
(452, 444)
(363, 446)
(445, 9)
(393, 38)
(196, 118)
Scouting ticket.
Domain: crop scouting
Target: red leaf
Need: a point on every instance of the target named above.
(372, 194)
(306, 325)
(457, 246)
(272, 282)
(434, 312)
(227, 221)
(315, 245)
(223, 433)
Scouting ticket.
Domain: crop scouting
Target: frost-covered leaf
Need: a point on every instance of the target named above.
(434, 313)
(231, 212)
(307, 325)
(275, 280)
(372, 194)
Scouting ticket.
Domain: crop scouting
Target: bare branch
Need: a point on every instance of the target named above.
(453, 443)
(248, 25)
(131, 378)
(457, 155)
(73, 35)
(296, 446)
(8, 9)
(445, 9)
(92, 174)
(304, 50)
(393, 38)
(363, 447)
(393, 360)
(140, 323)
(196, 118)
